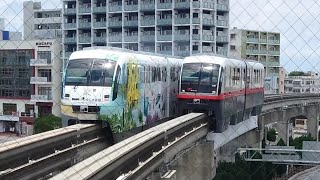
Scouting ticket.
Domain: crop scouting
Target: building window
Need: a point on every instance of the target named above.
(232, 36)
(45, 55)
(45, 91)
(45, 73)
(232, 47)
(9, 109)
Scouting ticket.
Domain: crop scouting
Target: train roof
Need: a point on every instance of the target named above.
(204, 58)
(120, 54)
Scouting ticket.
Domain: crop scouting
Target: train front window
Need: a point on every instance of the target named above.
(77, 72)
(200, 77)
(90, 72)
(101, 73)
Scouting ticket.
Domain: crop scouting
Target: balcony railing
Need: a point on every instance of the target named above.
(115, 8)
(274, 52)
(164, 5)
(131, 38)
(99, 39)
(273, 41)
(85, 40)
(41, 98)
(115, 38)
(70, 11)
(254, 40)
(131, 7)
(222, 38)
(148, 7)
(39, 80)
(222, 7)
(182, 5)
(130, 23)
(252, 51)
(164, 21)
(101, 9)
(70, 40)
(100, 24)
(85, 10)
(70, 25)
(39, 62)
(84, 24)
(222, 23)
(182, 20)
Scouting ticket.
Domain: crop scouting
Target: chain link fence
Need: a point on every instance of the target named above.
(125, 90)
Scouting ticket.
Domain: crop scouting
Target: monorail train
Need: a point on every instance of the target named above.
(127, 88)
(229, 90)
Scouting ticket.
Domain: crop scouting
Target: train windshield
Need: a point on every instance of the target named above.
(200, 77)
(90, 72)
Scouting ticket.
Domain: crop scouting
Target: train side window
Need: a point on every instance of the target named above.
(221, 82)
(153, 69)
(164, 74)
(116, 83)
(159, 74)
(172, 73)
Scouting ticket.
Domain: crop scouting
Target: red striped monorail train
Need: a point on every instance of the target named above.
(228, 90)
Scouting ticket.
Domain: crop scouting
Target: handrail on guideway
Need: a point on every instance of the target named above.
(124, 156)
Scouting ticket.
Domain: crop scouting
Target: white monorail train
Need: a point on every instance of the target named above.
(229, 90)
(126, 88)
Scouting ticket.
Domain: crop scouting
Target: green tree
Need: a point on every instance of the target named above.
(47, 123)
(272, 135)
(296, 73)
(297, 142)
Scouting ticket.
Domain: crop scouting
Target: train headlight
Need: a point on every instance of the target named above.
(213, 92)
(183, 90)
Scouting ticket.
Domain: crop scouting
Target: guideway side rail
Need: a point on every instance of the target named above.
(125, 156)
(38, 155)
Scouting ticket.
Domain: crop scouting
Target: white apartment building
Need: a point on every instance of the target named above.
(41, 23)
(173, 27)
(309, 83)
(30, 81)
(261, 46)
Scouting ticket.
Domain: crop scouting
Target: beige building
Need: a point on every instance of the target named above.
(30, 84)
(309, 83)
(261, 46)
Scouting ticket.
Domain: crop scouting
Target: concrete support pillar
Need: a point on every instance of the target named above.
(313, 121)
(283, 129)
(197, 163)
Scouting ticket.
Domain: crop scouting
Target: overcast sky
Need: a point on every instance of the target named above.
(296, 20)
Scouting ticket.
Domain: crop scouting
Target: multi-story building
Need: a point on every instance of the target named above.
(41, 23)
(309, 83)
(260, 46)
(30, 84)
(173, 27)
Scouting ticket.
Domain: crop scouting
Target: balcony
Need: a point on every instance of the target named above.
(39, 62)
(70, 40)
(252, 51)
(253, 40)
(13, 117)
(273, 41)
(263, 40)
(84, 24)
(222, 7)
(147, 7)
(41, 98)
(70, 11)
(102, 9)
(86, 40)
(131, 7)
(222, 39)
(147, 22)
(47, 20)
(115, 23)
(223, 23)
(195, 20)
(182, 20)
(131, 38)
(99, 24)
(130, 23)
(99, 39)
(182, 53)
(182, 36)
(164, 21)
(263, 51)
(164, 6)
(115, 38)
(70, 25)
(147, 38)
(85, 9)
(149, 49)
(39, 80)
(207, 37)
(273, 64)
(207, 49)
(115, 8)
(165, 52)
(195, 4)
(182, 5)
(275, 53)
(195, 36)
(208, 5)
(164, 37)
(208, 22)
